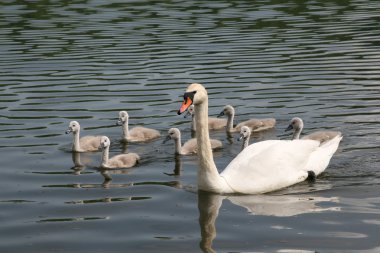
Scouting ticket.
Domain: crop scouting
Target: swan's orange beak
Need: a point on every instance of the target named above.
(186, 103)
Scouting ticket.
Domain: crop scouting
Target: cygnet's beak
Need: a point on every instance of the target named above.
(240, 137)
(119, 122)
(69, 130)
(220, 114)
(290, 127)
(167, 138)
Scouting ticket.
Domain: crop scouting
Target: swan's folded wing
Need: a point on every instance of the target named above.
(269, 165)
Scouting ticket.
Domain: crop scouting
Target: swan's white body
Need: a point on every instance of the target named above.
(261, 167)
(136, 134)
(117, 161)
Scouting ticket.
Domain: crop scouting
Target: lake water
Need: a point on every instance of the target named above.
(87, 60)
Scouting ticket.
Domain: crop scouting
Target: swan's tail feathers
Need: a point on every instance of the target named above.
(320, 159)
(332, 138)
(332, 144)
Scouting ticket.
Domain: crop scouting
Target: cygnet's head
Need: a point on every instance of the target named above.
(173, 134)
(123, 117)
(104, 142)
(245, 132)
(295, 124)
(190, 111)
(227, 110)
(74, 127)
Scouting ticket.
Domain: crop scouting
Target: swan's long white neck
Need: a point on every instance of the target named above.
(105, 155)
(208, 175)
(76, 144)
(230, 121)
(125, 129)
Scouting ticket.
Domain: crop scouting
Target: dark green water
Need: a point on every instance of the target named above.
(86, 60)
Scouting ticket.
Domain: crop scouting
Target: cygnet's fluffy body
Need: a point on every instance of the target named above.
(117, 161)
(213, 123)
(136, 134)
(189, 147)
(255, 125)
(84, 144)
(296, 124)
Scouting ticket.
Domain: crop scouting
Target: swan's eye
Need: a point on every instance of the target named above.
(74, 125)
(171, 133)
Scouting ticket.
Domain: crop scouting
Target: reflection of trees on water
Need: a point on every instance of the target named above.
(266, 205)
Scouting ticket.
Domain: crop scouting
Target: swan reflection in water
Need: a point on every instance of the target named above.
(78, 165)
(266, 205)
(177, 166)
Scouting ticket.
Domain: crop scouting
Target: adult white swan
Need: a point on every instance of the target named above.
(261, 167)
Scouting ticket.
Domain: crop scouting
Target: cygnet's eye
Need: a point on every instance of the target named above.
(171, 133)
(74, 125)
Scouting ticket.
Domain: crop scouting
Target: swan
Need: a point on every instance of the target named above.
(245, 134)
(256, 125)
(136, 134)
(261, 167)
(84, 144)
(189, 147)
(118, 161)
(213, 123)
(322, 136)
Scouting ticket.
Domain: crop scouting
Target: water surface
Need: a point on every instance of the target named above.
(87, 60)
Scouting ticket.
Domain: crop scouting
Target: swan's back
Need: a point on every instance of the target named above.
(257, 124)
(143, 134)
(90, 143)
(269, 165)
(123, 160)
